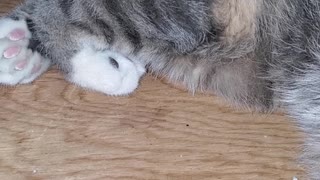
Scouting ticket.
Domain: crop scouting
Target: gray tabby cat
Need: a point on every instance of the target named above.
(259, 53)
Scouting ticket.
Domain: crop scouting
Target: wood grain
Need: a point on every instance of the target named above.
(53, 130)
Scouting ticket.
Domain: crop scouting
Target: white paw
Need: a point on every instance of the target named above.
(105, 71)
(18, 64)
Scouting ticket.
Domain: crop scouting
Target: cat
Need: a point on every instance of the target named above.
(260, 54)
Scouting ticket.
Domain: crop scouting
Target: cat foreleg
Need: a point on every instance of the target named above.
(18, 63)
(105, 71)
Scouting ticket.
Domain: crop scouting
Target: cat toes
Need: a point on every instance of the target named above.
(105, 71)
(37, 66)
(14, 30)
(18, 64)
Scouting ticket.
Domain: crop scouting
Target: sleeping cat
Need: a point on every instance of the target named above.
(259, 54)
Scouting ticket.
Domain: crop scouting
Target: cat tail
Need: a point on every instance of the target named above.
(301, 97)
(296, 75)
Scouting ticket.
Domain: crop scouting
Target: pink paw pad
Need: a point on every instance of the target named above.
(12, 52)
(17, 35)
(36, 68)
(21, 65)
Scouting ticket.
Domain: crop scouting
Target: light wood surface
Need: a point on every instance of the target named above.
(53, 130)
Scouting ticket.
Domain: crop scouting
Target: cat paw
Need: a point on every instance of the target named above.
(18, 64)
(105, 71)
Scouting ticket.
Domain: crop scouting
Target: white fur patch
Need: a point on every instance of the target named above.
(93, 70)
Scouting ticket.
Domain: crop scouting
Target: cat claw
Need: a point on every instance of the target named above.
(18, 64)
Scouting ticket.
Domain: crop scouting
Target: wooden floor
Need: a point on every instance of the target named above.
(53, 130)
